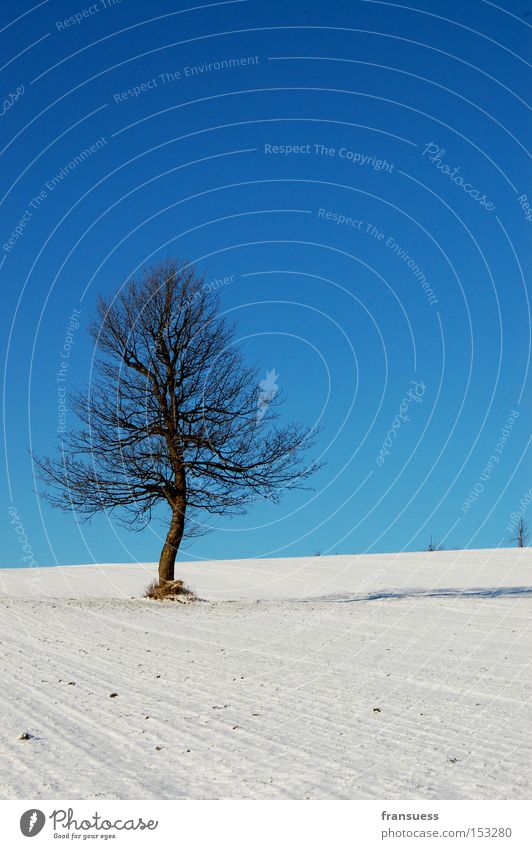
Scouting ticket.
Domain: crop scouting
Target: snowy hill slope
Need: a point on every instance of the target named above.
(286, 578)
(385, 676)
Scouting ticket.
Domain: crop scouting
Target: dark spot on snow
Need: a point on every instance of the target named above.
(377, 710)
(113, 695)
(25, 736)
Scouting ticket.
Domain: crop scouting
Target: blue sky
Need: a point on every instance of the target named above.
(359, 172)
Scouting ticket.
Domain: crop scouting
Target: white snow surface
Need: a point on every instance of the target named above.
(365, 677)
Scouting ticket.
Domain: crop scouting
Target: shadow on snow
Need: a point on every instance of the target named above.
(486, 592)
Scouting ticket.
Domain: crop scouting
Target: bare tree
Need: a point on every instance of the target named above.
(520, 536)
(173, 416)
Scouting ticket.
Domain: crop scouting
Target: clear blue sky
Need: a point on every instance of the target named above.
(358, 170)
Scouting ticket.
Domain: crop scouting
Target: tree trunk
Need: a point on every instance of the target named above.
(172, 543)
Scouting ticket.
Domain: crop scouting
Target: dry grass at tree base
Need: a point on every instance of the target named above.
(172, 590)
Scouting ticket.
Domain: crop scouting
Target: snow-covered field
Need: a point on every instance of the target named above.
(395, 676)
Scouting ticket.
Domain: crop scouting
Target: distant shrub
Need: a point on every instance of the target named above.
(173, 590)
(434, 546)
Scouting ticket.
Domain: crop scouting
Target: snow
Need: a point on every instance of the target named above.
(373, 676)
